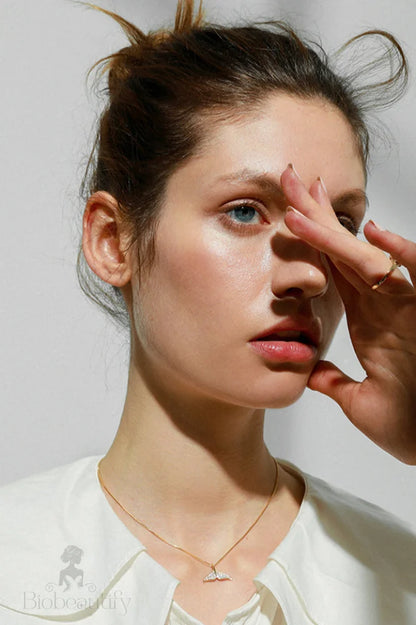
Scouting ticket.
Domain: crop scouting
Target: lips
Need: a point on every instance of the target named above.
(293, 340)
(307, 331)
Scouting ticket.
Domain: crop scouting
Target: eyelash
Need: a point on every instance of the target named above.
(239, 225)
(351, 224)
(344, 219)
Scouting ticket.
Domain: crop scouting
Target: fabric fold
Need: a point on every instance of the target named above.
(65, 553)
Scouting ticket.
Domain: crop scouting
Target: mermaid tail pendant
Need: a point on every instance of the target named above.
(216, 575)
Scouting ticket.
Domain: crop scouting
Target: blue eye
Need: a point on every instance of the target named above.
(244, 213)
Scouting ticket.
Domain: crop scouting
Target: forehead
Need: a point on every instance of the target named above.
(311, 133)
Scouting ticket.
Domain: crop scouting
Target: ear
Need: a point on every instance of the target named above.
(104, 240)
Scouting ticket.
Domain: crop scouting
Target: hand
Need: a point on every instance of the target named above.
(382, 322)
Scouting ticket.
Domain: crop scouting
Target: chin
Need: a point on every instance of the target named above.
(284, 402)
(278, 392)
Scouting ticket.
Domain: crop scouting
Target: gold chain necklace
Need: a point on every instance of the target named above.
(214, 575)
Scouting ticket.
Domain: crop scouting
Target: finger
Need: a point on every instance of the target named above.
(326, 378)
(347, 279)
(367, 261)
(319, 193)
(309, 205)
(315, 203)
(401, 249)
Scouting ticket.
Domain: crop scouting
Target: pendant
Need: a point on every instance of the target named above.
(216, 575)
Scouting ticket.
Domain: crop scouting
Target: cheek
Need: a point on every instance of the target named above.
(200, 286)
(208, 271)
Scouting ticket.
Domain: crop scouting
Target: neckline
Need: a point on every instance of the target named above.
(292, 468)
(256, 599)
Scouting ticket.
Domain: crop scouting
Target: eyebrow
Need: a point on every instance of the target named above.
(268, 184)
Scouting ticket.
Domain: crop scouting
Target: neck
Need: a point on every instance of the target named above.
(188, 461)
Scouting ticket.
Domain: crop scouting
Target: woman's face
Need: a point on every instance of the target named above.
(227, 268)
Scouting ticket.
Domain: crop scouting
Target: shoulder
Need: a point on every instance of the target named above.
(353, 511)
(35, 510)
(53, 518)
(350, 560)
(364, 532)
(333, 502)
(35, 492)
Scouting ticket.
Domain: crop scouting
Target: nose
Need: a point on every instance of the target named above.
(298, 270)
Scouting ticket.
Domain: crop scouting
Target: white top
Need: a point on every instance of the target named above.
(262, 609)
(65, 553)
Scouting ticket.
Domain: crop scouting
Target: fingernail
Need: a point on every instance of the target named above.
(323, 184)
(291, 166)
(293, 210)
(373, 223)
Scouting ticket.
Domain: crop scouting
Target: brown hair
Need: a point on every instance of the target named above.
(164, 87)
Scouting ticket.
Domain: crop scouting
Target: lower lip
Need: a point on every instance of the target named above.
(284, 351)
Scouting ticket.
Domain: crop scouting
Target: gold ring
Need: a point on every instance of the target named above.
(394, 265)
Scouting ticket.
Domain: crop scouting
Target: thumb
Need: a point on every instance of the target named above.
(326, 378)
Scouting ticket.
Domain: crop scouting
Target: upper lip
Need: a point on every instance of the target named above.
(310, 330)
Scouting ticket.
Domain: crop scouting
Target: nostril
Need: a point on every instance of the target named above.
(293, 292)
(308, 289)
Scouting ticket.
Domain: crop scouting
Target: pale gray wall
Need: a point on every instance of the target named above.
(62, 366)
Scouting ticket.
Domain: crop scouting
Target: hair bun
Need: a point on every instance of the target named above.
(122, 64)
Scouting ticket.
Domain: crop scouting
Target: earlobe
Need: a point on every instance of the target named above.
(104, 240)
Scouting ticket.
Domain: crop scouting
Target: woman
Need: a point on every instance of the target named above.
(224, 197)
